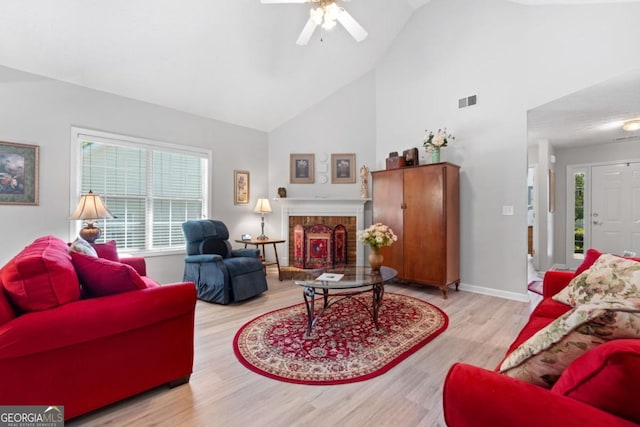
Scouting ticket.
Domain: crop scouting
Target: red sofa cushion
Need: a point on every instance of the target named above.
(476, 397)
(6, 311)
(108, 250)
(41, 276)
(149, 282)
(604, 376)
(546, 312)
(101, 277)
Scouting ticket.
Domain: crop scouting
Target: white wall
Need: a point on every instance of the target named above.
(41, 111)
(342, 123)
(451, 49)
(514, 57)
(570, 48)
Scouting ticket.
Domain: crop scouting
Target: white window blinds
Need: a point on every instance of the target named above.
(150, 189)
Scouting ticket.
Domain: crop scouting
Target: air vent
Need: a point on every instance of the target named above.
(468, 101)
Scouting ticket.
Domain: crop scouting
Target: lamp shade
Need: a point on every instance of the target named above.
(263, 206)
(91, 208)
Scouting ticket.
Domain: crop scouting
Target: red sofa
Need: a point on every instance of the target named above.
(57, 348)
(600, 388)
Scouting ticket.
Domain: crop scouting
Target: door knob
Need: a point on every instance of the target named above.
(597, 223)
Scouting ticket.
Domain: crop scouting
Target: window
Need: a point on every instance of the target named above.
(577, 209)
(151, 188)
(578, 215)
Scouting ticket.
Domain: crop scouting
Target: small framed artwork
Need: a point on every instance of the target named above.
(343, 168)
(19, 165)
(301, 168)
(240, 187)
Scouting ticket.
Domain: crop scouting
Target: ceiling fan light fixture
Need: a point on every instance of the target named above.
(328, 25)
(331, 12)
(631, 125)
(317, 15)
(328, 15)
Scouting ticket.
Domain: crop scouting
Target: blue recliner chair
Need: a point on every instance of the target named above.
(221, 274)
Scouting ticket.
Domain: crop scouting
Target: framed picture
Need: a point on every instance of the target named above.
(343, 168)
(301, 168)
(240, 187)
(19, 165)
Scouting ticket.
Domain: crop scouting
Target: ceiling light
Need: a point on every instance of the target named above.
(316, 15)
(631, 125)
(327, 15)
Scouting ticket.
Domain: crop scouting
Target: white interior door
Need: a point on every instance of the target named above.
(615, 208)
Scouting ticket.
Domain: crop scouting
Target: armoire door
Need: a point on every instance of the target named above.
(387, 209)
(424, 227)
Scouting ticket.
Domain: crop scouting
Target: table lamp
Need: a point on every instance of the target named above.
(263, 207)
(90, 208)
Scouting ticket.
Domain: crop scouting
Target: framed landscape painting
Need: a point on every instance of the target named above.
(241, 187)
(19, 165)
(301, 168)
(343, 168)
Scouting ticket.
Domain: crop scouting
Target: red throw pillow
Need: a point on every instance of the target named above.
(41, 276)
(590, 257)
(108, 250)
(101, 277)
(606, 377)
(6, 311)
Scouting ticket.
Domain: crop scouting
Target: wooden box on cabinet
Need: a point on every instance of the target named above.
(421, 204)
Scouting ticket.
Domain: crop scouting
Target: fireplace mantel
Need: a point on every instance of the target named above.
(321, 206)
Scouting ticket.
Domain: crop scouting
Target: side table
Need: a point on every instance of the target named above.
(262, 243)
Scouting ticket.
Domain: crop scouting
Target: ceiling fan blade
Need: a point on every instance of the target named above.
(307, 32)
(352, 26)
(283, 1)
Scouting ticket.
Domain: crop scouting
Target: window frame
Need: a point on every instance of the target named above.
(79, 134)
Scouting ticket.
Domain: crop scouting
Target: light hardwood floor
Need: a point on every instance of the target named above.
(222, 392)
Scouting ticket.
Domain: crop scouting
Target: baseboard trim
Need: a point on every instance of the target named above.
(523, 297)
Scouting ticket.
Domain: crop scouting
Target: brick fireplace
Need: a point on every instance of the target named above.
(327, 211)
(325, 242)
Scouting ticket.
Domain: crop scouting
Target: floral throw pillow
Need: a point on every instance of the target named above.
(542, 358)
(81, 246)
(610, 278)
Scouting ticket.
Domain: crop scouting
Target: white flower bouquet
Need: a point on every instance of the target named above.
(377, 236)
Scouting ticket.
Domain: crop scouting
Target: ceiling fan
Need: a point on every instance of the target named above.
(326, 15)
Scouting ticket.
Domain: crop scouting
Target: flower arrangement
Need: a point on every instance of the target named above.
(377, 236)
(438, 139)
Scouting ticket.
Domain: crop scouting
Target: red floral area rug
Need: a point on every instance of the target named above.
(344, 345)
(535, 286)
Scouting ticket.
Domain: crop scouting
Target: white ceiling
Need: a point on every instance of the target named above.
(591, 116)
(231, 60)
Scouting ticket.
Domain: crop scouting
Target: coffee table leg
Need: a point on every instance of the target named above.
(378, 293)
(309, 293)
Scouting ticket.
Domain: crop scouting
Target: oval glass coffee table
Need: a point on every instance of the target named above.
(344, 283)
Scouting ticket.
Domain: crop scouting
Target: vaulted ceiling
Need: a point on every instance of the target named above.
(231, 60)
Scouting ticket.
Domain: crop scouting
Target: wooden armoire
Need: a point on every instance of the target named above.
(421, 204)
